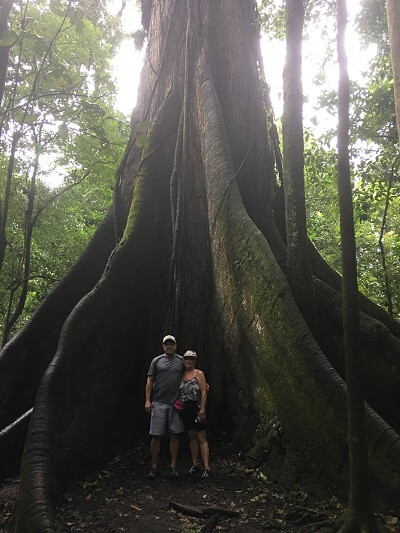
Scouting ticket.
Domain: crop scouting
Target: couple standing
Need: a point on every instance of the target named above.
(171, 377)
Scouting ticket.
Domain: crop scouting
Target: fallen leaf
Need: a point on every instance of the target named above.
(263, 476)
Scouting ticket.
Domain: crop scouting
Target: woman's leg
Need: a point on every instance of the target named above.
(202, 441)
(194, 446)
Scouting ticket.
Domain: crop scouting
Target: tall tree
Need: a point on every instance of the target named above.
(358, 515)
(299, 269)
(202, 100)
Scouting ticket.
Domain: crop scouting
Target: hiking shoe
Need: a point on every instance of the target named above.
(173, 472)
(151, 474)
(206, 474)
(194, 469)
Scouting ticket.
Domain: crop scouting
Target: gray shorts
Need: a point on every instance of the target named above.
(164, 418)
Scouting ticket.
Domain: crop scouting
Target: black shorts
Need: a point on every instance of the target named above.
(189, 416)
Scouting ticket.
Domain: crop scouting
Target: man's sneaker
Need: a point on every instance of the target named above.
(173, 472)
(194, 469)
(151, 474)
(206, 474)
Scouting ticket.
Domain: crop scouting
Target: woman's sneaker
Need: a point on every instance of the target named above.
(194, 469)
(151, 474)
(206, 474)
(173, 472)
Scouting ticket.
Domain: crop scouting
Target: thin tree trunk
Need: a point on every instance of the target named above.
(5, 8)
(299, 270)
(393, 16)
(29, 224)
(358, 515)
(380, 241)
(6, 202)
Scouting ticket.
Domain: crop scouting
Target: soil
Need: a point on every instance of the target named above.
(120, 498)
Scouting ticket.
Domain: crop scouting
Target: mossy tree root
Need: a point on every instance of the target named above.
(82, 396)
(254, 301)
(24, 359)
(380, 351)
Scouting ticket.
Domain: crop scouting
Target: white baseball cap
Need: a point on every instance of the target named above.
(169, 338)
(190, 353)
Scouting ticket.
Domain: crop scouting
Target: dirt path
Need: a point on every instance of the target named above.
(120, 498)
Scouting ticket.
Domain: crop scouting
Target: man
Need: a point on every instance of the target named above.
(162, 389)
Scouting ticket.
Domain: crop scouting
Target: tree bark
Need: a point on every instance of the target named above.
(236, 307)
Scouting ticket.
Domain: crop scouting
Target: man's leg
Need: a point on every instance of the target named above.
(175, 426)
(158, 422)
(174, 448)
(154, 451)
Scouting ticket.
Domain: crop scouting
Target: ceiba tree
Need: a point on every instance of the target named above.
(194, 245)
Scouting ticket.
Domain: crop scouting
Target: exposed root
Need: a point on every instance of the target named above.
(202, 511)
(211, 524)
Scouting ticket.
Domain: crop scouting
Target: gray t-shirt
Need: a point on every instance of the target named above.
(167, 373)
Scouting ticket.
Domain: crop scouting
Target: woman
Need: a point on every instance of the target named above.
(193, 393)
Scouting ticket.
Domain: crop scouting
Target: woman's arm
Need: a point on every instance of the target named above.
(201, 380)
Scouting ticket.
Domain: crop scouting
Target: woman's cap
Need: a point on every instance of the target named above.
(190, 353)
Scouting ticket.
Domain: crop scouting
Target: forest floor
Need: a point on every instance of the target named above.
(120, 498)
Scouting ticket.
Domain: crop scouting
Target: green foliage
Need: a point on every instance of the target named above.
(272, 18)
(322, 199)
(142, 138)
(374, 148)
(372, 24)
(58, 104)
(9, 38)
(371, 177)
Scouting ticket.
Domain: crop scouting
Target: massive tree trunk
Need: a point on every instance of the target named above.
(200, 251)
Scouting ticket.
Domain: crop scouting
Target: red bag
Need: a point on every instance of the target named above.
(178, 405)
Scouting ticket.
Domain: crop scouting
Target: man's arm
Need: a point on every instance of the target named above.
(148, 390)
